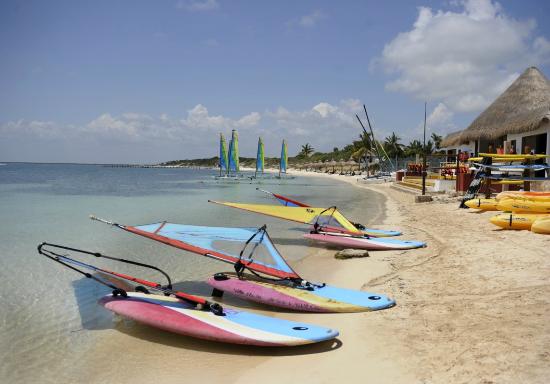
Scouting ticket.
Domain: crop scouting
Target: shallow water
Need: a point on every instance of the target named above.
(51, 326)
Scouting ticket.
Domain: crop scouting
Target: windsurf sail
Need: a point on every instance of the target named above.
(260, 157)
(324, 217)
(223, 155)
(249, 248)
(284, 159)
(287, 202)
(54, 252)
(234, 152)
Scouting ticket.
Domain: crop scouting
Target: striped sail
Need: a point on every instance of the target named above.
(234, 152)
(223, 154)
(260, 156)
(284, 158)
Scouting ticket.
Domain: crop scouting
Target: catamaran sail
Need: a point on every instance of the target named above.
(260, 157)
(234, 152)
(284, 159)
(223, 155)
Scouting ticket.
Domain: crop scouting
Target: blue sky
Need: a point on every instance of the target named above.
(146, 81)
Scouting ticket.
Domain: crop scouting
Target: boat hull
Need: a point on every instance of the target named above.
(320, 299)
(236, 327)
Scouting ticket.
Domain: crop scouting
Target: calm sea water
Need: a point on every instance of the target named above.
(50, 322)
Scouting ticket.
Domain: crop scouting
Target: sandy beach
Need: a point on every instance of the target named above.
(471, 307)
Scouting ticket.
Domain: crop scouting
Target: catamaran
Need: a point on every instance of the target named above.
(269, 278)
(182, 313)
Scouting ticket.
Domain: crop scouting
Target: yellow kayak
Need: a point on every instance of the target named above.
(482, 204)
(541, 226)
(523, 205)
(516, 220)
(535, 196)
(512, 156)
(507, 182)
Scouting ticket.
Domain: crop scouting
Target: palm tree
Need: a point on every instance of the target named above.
(414, 148)
(306, 150)
(437, 140)
(393, 146)
(430, 147)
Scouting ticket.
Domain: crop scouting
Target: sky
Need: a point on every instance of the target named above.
(152, 81)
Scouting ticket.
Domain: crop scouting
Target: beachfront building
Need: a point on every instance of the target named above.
(520, 115)
(452, 146)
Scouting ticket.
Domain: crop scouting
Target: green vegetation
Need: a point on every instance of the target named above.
(358, 150)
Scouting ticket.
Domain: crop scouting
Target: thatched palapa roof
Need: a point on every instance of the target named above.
(451, 139)
(523, 107)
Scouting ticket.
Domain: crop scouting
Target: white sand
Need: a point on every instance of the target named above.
(472, 307)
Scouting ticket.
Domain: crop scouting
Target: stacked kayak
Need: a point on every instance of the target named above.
(523, 210)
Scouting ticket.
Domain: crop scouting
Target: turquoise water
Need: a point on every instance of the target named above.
(51, 324)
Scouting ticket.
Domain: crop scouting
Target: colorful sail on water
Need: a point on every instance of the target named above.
(223, 155)
(260, 157)
(284, 158)
(234, 152)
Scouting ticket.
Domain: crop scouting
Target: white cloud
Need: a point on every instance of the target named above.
(324, 126)
(325, 109)
(465, 58)
(198, 5)
(311, 19)
(39, 129)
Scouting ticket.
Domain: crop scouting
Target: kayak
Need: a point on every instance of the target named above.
(541, 226)
(535, 196)
(482, 204)
(516, 220)
(523, 205)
